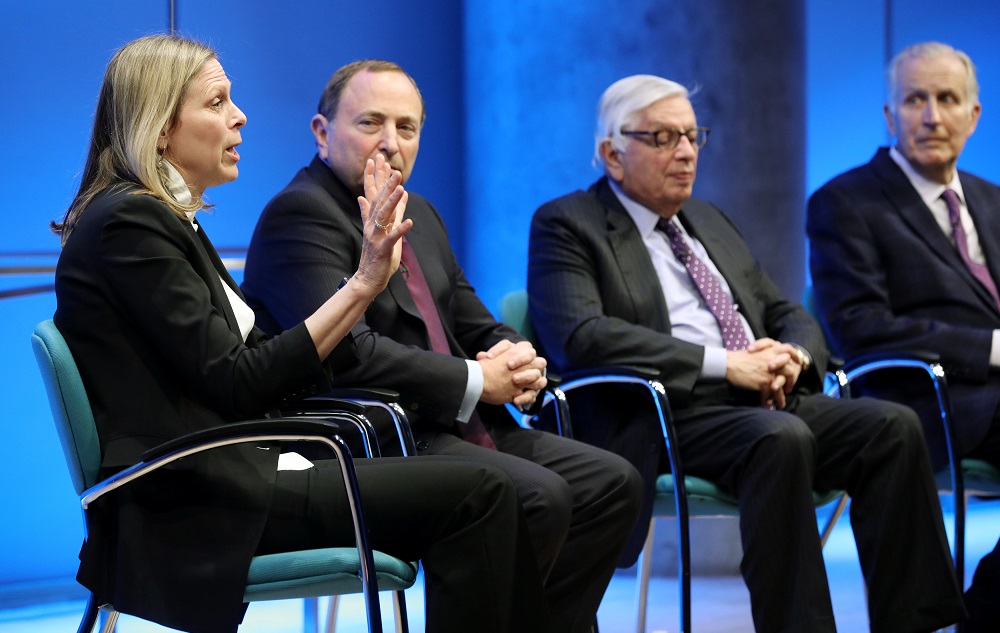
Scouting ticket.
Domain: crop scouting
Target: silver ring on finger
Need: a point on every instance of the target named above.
(384, 227)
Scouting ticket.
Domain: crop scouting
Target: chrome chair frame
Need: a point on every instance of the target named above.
(78, 437)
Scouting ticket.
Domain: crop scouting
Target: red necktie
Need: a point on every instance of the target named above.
(474, 430)
(979, 271)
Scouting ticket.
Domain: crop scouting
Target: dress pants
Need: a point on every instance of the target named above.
(772, 460)
(581, 503)
(983, 596)
(461, 519)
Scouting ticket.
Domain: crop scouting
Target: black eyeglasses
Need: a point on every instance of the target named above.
(669, 139)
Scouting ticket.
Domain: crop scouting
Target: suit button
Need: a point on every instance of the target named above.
(422, 445)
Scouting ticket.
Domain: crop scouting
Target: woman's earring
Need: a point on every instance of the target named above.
(160, 151)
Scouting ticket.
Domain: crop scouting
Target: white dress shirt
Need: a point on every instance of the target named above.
(690, 318)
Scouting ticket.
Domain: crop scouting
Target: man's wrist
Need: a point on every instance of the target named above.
(802, 356)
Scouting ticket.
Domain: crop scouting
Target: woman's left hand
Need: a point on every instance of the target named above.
(382, 209)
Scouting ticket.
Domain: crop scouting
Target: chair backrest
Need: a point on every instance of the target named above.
(809, 303)
(514, 312)
(71, 410)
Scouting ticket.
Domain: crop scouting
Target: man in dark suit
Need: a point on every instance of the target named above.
(435, 343)
(896, 265)
(634, 271)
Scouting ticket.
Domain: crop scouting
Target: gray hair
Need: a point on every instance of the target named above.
(929, 50)
(622, 100)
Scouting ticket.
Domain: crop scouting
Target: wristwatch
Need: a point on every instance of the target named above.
(802, 356)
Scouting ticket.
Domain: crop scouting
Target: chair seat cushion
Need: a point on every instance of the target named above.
(705, 499)
(981, 478)
(321, 572)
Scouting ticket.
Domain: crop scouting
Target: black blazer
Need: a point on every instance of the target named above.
(595, 299)
(142, 307)
(308, 239)
(887, 277)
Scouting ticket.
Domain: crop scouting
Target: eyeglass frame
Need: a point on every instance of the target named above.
(654, 135)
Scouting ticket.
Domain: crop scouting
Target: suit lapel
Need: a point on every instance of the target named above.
(633, 260)
(215, 274)
(901, 195)
(984, 207)
(699, 226)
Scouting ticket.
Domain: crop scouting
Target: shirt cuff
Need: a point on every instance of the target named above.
(473, 391)
(995, 350)
(713, 366)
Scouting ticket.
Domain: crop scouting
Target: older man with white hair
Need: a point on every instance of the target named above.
(635, 271)
(906, 255)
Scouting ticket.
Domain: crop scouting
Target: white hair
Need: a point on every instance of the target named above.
(622, 100)
(929, 50)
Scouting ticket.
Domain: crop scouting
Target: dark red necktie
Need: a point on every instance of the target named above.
(474, 430)
(979, 271)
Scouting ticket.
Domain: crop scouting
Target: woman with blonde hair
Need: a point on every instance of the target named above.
(166, 346)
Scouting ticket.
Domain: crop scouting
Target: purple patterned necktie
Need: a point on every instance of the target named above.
(716, 300)
(979, 271)
(474, 430)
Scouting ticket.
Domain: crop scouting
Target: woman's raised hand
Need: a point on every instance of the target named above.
(382, 209)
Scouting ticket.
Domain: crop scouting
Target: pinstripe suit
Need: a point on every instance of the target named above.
(581, 502)
(595, 300)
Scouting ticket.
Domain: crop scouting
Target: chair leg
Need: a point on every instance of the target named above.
(958, 538)
(310, 615)
(399, 610)
(832, 521)
(331, 614)
(89, 618)
(645, 565)
(110, 618)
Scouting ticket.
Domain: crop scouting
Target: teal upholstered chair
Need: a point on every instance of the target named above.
(682, 497)
(301, 574)
(961, 477)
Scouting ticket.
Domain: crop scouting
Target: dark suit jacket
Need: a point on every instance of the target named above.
(595, 299)
(308, 239)
(142, 307)
(887, 277)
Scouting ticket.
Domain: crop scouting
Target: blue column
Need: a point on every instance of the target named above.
(535, 70)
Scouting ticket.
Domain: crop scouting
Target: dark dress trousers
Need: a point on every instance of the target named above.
(887, 277)
(581, 503)
(142, 306)
(595, 299)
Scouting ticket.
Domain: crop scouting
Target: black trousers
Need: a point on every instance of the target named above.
(463, 520)
(983, 595)
(772, 460)
(581, 503)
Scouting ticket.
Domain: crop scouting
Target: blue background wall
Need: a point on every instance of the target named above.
(279, 55)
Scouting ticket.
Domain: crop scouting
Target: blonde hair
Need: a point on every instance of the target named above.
(140, 96)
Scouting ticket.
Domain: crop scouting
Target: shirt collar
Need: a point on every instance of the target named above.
(645, 219)
(929, 191)
(176, 187)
